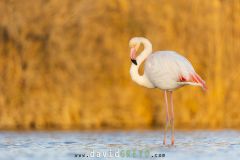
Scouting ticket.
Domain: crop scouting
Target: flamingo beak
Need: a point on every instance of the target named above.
(133, 55)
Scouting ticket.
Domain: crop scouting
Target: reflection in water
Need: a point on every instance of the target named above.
(119, 145)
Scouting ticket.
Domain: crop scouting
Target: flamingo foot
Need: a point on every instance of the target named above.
(164, 141)
(172, 141)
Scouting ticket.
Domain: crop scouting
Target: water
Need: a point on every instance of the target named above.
(123, 145)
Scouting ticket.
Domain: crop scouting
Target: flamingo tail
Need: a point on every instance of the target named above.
(197, 79)
(194, 79)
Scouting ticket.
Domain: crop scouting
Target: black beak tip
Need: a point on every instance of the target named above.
(134, 61)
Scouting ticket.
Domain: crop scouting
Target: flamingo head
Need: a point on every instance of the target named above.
(134, 44)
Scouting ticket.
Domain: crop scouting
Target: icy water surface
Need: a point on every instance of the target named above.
(119, 145)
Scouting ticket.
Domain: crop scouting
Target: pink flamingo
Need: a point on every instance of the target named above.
(166, 70)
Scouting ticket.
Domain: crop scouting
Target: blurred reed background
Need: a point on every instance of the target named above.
(65, 64)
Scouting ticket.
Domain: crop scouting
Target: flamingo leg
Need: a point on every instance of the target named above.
(167, 117)
(172, 117)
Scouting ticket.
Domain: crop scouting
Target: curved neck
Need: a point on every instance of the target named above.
(142, 79)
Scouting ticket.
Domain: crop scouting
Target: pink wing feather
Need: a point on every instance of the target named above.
(195, 78)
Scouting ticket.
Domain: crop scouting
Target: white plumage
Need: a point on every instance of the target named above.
(166, 70)
(163, 69)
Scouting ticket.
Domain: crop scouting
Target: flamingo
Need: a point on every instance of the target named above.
(166, 70)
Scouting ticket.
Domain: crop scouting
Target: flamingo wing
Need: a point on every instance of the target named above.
(187, 74)
(169, 70)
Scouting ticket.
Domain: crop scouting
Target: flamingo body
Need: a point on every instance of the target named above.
(168, 70)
